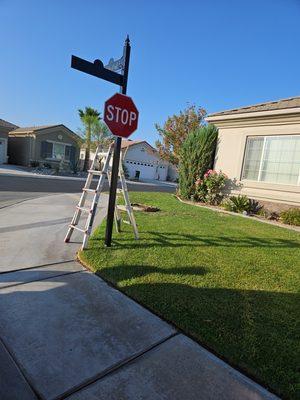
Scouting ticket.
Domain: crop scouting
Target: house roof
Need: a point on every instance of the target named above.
(6, 124)
(291, 102)
(30, 129)
(127, 143)
(38, 129)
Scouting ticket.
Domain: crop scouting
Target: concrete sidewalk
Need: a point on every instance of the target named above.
(66, 334)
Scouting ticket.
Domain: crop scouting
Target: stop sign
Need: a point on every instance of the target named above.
(121, 115)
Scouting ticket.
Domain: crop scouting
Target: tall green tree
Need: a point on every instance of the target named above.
(89, 118)
(175, 130)
(101, 135)
(197, 156)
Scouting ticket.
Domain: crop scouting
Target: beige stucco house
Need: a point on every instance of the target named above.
(259, 147)
(43, 145)
(5, 128)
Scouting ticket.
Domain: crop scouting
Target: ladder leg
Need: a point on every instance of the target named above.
(118, 219)
(117, 215)
(74, 221)
(91, 217)
(92, 212)
(77, 213)
(127, 203)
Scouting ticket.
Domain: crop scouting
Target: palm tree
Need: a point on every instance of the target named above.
(89, 118)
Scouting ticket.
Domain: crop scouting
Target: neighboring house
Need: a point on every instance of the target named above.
(259, 146)
(43, 145)
(142, 161)
(5, 127)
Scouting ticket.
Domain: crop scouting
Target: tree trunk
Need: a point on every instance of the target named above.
(86, 164)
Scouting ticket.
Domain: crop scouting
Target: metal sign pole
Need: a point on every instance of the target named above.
(116, 157)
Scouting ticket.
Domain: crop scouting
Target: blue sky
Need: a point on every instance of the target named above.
(217, 54)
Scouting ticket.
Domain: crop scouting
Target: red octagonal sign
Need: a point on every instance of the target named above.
(121, 115)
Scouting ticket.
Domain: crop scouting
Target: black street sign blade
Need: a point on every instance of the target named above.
(96, 69)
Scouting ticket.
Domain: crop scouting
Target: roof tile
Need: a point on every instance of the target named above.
(291, 102)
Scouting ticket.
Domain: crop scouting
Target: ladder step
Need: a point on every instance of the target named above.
(126, 222)
(88, 210)
(95, 172)
(89, 190)
(122, 208)
(78, 229)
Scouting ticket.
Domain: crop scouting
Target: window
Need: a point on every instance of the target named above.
(274, 159)
(57, 151)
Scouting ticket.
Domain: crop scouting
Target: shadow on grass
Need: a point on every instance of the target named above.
(256, 331)
(125, 272)
(172, 239)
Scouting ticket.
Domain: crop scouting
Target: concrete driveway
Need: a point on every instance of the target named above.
(66, 334)
(32, 232)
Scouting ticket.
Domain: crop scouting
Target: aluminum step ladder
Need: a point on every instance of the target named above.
(91, 211)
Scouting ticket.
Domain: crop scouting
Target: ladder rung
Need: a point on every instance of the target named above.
(89, 190)
(95, 172)
(78, 229)
(88, 210)
(123, 208)
(126, 222)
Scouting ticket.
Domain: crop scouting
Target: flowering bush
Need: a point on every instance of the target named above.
(215, 182)
(200, 190)
(210, 188)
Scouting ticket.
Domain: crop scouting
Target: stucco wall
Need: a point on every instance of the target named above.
(3, 132)
(59, 135)
(230, 154)
(4, 144)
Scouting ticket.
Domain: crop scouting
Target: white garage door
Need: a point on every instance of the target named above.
(138, 170)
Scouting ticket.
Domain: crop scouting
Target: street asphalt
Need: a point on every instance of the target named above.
(16, 188)
(66, 334)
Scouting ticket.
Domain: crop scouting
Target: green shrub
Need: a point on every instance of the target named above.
(215, 182)
(209, 189)
(271, 215)
(197, 156)
(254, 206)
(291, 216)
(237, 204)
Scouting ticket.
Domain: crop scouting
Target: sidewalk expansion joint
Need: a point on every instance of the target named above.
(36, 266)
(114, 368)
(21, 370)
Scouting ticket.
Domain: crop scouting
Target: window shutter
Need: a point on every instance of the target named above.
(46, 149)
(72, 155)
(67, 152)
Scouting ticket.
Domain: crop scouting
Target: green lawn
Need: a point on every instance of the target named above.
(229, 282)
